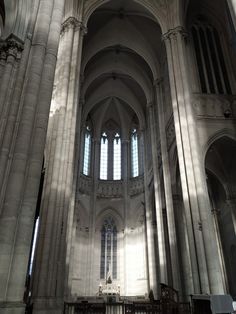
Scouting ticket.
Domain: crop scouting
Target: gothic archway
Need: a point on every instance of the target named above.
(220, 172)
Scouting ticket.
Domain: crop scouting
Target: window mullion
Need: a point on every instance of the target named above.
(218, 61)
(211, 64)
(110, 159)
(203, 61)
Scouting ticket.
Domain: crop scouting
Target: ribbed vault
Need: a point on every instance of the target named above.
(120, 62)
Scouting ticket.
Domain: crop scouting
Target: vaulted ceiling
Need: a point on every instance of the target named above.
(121, 59)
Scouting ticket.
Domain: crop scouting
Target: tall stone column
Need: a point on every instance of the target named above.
(186, 275)
(125, 171)
(232, 204)
(22, 185)
(232, 8)
(205, 259)
(12, 49)
(152, 262)
(168, 189)
(93, 201)
(158, 202)
(59, 190)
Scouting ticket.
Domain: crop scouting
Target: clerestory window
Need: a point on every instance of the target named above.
(134, 154)
(211, 65)
(110, 156)
(87, 151)
(104, 157)
(117, 157)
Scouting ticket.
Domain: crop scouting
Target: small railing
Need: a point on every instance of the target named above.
(168, 304)
(112, 308)
(156, 307)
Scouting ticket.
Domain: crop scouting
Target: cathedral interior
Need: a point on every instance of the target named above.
(117, 156)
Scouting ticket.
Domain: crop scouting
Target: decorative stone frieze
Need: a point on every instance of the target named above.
(110, 189)
(73, 23)
(214, 106)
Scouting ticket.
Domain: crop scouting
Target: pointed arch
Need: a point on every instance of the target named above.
(219, 134)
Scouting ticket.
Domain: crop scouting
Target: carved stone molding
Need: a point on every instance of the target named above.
(199, 225)
(110, 189)
(72, 23)
(214, 106)
(158, 82)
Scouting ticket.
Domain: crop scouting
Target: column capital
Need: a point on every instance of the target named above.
(12, 46)
(81, 101)
(231, 200)
(3, 54)
(73, 23)
(150, 104)
(173, 32)
(215, 211)
(157, 82)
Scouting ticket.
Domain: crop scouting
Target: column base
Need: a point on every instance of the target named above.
(12, 307)
(48, 306)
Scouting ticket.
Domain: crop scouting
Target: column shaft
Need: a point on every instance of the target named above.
(158, 203)
(59, 190)
(168, 191)
(37, 139)
(206, 267)
(24, 175)
(153, 263)
(184, 158)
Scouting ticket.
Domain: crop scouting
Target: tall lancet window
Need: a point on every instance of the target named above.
(117, 157)
(213, 74)
(108, 265)
(134, 154)
(87, 151)
(110, 152)
(104, 157)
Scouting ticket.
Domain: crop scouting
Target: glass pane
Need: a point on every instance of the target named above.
(36, 229)
(87, 152)
(134, 154)
(117, 158)
(103, 158)
(108, 262)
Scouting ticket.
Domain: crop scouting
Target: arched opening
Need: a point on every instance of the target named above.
(210, 47)
(221, 171)
(120, 63)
